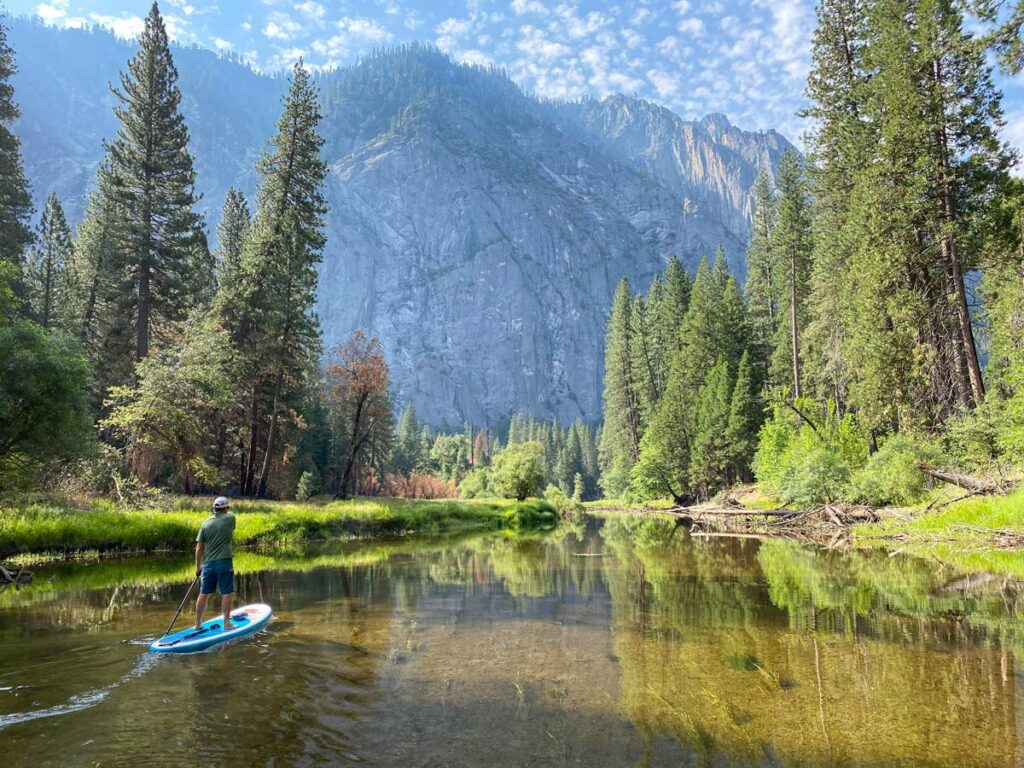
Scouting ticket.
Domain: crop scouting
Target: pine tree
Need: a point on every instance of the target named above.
(408, 446)
(15, 201)
(711, 453)
(791, 242)
(48, 278)
(232, 230)
(105, 333)
(744, 421)
(152, 179)
(269, 308)
(621, 435)
(762, 290)
(841, 146)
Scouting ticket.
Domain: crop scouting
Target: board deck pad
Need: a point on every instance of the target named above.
(247, 620)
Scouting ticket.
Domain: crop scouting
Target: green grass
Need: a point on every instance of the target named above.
(50, 526)
(959, 535)
(990, 513)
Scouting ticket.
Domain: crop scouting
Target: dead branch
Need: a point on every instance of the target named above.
(976, 484)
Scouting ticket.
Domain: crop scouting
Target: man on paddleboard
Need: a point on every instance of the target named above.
(213, 560)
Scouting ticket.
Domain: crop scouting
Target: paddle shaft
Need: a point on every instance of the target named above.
(185, 600)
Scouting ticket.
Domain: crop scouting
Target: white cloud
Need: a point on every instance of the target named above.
(665, 84)
(51, 12)
(641, 17)
(633, 38)
(284, 58)
(473, 56)
(127, 27)
(281, 26)
(692, 26)
(246, 26)
(534, 44)
(365, 29)
(177, 27)
(221, 44)
(311, 10)
(521, 7)
(682, 7)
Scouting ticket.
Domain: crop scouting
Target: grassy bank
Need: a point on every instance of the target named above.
(48, 526)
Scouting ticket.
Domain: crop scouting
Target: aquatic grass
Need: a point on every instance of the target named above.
(52, 526)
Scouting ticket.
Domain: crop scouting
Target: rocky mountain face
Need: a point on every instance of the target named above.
(478, 231)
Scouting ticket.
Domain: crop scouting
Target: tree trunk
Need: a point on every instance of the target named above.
(142, 321)
(354, 445)
(793, 326)
(250, 461)
(261, 490)
(951, 255)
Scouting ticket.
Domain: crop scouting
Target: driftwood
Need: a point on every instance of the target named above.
(976, 484)
(827, 524)
(8, 576)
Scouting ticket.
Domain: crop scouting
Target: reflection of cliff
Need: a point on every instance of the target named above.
(723, 658)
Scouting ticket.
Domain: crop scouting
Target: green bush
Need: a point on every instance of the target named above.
(565, 506)
(308, 487)
(818, 476)
(890, 477)
(806, 466)
(476, 485)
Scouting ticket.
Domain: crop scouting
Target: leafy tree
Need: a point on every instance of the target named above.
(167, 417)
(43, 410)
(360, 403)
(518, 471)
(450, 456)
(49, 288)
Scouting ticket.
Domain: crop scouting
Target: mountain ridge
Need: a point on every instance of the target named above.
(478, 230)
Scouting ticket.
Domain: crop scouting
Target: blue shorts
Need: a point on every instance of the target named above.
(218, 573)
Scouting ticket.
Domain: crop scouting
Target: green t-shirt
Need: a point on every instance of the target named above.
(215, 533)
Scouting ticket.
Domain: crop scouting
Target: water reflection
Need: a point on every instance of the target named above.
(622, 643)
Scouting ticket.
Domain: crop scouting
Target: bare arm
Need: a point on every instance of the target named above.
(200, 548)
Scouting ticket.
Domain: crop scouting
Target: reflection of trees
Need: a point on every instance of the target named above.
(750, 653)
(894, 597)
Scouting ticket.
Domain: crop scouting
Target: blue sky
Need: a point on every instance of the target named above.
(746, 58)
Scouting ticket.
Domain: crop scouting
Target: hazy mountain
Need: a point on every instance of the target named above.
(478, 231)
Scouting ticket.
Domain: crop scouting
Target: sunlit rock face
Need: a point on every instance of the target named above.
(478, 231)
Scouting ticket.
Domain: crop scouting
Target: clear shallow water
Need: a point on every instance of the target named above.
(627, 644)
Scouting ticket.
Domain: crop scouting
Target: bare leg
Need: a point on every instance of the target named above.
(225, 608)
(200, 607)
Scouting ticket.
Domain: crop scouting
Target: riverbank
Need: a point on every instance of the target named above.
(51, 526)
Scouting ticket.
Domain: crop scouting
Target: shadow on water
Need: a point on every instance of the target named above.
(617, 643)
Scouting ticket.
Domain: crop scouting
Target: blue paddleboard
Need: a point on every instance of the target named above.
(246, 620)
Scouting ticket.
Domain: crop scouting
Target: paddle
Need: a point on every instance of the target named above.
(185, 600)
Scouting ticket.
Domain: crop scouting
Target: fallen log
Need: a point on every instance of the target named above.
(8, 577)
(960, 480)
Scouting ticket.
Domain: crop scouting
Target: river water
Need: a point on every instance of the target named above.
(616, 643)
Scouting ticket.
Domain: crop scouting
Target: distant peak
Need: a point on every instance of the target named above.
(717, 120)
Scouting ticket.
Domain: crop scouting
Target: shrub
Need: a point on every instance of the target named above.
(518, 471)
(309, 486)
(418, 485)
(818, 476)
(565, 506)
(890, 477)
(476, 485)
